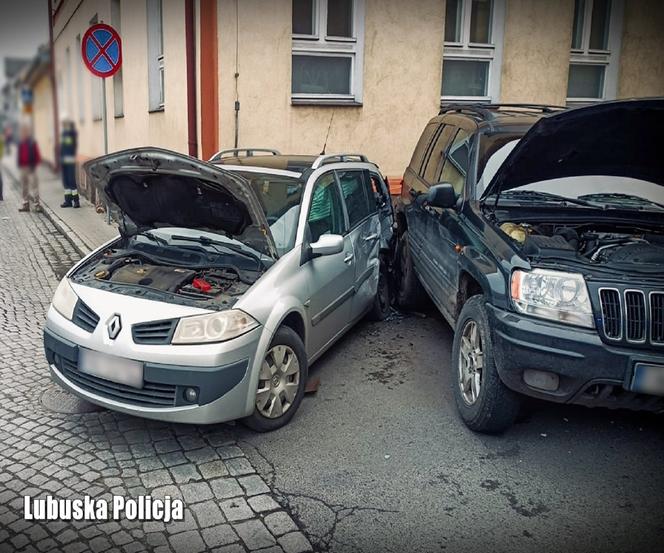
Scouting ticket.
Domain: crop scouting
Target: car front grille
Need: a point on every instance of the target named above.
(84, 317)
(154, 332)
(151, 395)
(633, 316)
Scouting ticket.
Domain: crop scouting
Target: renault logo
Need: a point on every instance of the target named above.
(114, 326)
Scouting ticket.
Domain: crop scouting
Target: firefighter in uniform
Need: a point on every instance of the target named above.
(68, 143)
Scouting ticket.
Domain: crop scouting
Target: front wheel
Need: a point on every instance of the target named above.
(409, 294)
(483, 401)
(381, 304)
(281, 382)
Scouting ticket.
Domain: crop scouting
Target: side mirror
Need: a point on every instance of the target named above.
(328, 244)
(442, 195)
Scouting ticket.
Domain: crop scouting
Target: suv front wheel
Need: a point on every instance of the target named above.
(484, 402)
(410, 294)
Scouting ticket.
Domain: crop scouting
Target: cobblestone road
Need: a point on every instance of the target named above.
(228, 506)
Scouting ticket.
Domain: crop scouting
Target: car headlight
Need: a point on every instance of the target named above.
(64, 299)
(554, 295)
(213, 327)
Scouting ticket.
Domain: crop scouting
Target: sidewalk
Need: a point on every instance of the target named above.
(84, 227)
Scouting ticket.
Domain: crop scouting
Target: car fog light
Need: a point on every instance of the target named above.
(191, 394)
(543, 380)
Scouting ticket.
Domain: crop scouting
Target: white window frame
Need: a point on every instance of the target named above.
(319, 44)
(155, 36)
(608, 58)
(466, 50)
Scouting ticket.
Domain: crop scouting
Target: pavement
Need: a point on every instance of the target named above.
(376, 460)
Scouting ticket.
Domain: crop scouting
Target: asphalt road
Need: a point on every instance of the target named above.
(377, 460)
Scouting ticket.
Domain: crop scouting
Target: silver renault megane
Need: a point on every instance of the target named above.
(228, 279)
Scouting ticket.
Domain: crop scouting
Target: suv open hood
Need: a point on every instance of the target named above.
(621, 139)
(153, 187)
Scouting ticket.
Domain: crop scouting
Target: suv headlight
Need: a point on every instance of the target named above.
(554, 295)
(213, 327)
(64, 299)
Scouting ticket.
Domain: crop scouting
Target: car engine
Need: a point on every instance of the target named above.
(596, 245)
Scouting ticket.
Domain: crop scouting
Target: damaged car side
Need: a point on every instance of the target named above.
(224, 285)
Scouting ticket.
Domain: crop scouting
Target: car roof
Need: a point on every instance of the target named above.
(295, 163)
(497, 116)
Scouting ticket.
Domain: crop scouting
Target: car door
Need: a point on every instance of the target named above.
(364, 231)
(445, 229)
(422, 246)
(331, 277)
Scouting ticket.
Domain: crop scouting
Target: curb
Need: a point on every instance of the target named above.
(77, 243)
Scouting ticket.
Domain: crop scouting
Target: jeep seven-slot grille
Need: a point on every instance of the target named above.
(151, 395)
(633, 315)
(84, 317)
(154, 332)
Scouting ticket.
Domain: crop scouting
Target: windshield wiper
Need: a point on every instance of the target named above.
(619, 198)
(205, 241)
(545, 197)
(158, 239)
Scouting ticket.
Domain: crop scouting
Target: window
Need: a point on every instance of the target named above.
(422, 145)
(326, 214)
(455, 169)
(328, 50)
(155, 55)
(118, 93)
(593, 69)
(432, 166)
(356, 192)
(97, 83)
(472, 52)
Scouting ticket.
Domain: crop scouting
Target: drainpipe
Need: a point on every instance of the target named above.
(190, 42)
(54, 90)
(237, 72)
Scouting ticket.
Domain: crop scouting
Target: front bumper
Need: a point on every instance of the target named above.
(223, 389)
(589, 371)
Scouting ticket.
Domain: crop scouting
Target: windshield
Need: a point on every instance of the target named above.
(280, 198)
(494, 148)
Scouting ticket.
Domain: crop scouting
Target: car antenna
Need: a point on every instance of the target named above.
(328, 134)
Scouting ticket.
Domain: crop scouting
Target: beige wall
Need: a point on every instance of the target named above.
(641, 71)
(402, 75)
(42, 117)
(536, 51)
(138, 127)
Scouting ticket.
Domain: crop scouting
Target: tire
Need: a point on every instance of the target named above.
(381, 304)
(484, 403)
(409, 294)
(271, 396)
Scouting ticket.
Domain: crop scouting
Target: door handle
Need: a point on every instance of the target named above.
(371, 237)
(348, 258)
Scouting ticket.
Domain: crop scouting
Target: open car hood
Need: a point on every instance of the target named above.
(621, 139)
(153, 187)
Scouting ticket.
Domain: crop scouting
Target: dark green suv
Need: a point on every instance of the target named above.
(538, 232)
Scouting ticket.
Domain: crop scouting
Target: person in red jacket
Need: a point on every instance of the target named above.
(28, 160)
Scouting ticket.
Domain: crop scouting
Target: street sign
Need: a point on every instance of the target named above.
(101, 49)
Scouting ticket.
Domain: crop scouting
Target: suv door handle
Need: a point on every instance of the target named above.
(371, 237)
(348, 258)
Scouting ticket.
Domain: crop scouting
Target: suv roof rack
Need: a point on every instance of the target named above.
(489, 110)
(248, 152)
(323, 158)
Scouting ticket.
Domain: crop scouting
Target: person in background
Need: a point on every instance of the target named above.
(68, 144)
(28, 160)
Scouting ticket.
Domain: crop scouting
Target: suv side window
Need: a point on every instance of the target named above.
(326, 214)
(356, 193)
(437, 153)
(455, 170)
(422, 146)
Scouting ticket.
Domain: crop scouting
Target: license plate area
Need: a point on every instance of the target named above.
(648, 379)
(111, 367)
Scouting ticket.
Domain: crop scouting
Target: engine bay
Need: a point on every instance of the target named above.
(595, 244)
(117, 269)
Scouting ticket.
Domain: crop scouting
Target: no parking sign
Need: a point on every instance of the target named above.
(101, 49)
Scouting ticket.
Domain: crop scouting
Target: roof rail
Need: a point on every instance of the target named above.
(323, 158)
(237, 152)
(490, 109)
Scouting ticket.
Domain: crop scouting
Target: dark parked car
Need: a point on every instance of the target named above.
(538, 232)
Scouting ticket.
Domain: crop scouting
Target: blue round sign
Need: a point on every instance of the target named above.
(101, 49)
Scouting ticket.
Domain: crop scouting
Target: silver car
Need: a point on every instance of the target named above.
(229, 278)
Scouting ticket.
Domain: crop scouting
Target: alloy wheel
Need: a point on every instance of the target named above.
(278, 382)
(471, 362)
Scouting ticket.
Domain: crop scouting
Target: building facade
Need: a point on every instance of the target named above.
(356, 75)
